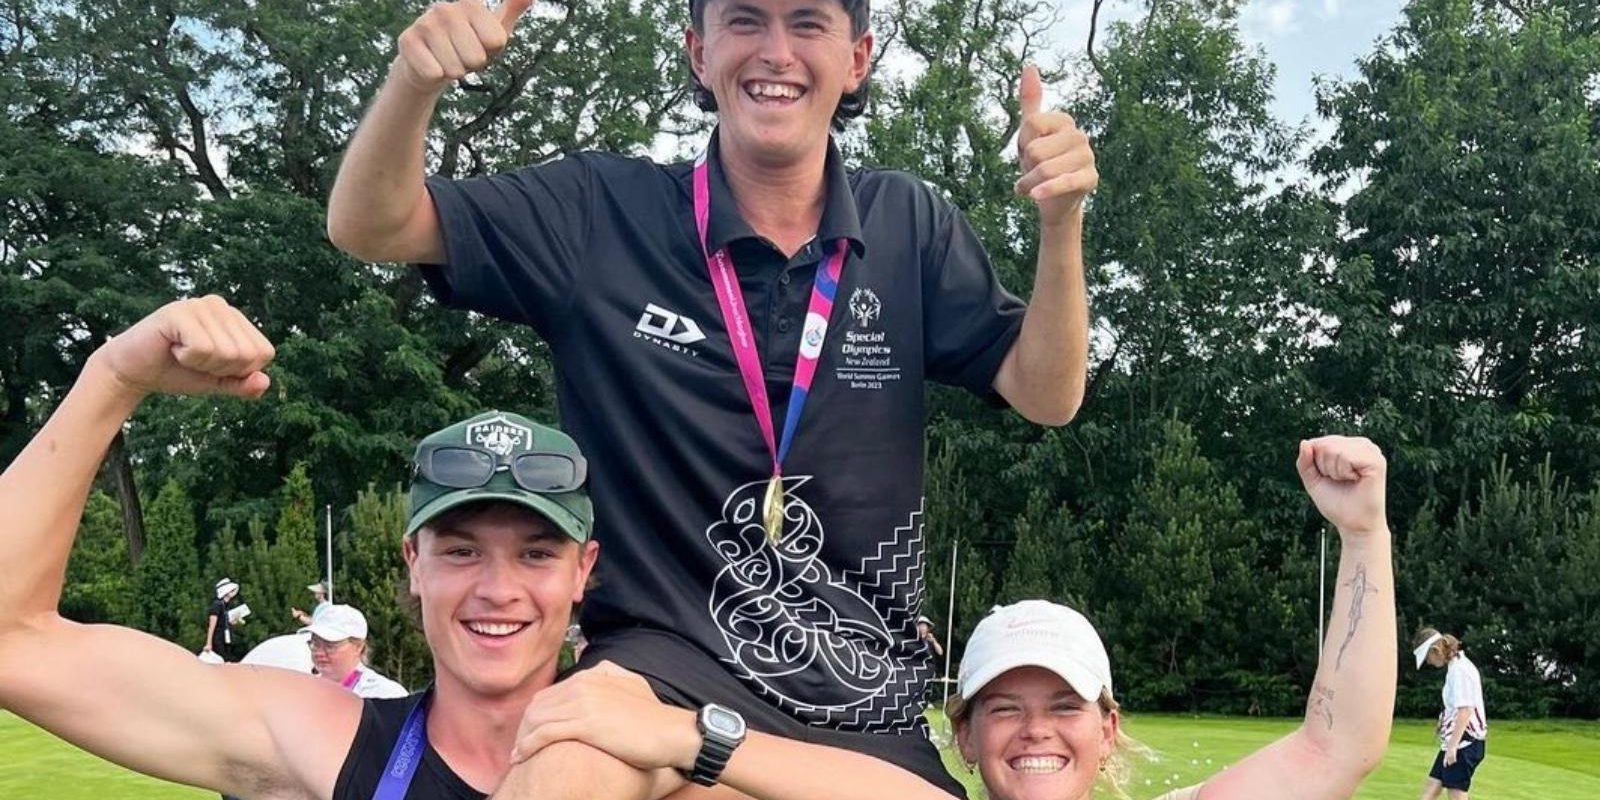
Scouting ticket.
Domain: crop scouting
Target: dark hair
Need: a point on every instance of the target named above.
(851, 104)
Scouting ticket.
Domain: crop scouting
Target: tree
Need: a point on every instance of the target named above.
(372, 577)
(171, 598)
(1179, 589)
(1468, 282)
(1509, 577)
(275, 575)
(100, 582)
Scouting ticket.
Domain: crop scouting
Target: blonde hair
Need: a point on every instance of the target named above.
(1116, 771)
(1448, 646)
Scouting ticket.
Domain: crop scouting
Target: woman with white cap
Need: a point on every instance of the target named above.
(338, 642)
(1035, 715)
(1463, 724)
(219, 626)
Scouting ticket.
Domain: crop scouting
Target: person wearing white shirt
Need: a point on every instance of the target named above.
(319, 592)
(339, 649)
(1463, 724)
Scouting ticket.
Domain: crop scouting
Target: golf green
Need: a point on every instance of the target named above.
(1539, 760)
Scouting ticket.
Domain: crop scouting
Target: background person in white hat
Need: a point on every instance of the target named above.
(339, 652)
(319, 591)
(926, 633)
(1463, 723)
(219, 628)
(1036, 716)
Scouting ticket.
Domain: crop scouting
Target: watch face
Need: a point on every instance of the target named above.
(724, 721)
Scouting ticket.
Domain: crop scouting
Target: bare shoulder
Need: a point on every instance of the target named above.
(312, 724)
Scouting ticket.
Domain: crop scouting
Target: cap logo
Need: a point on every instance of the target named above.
(500, 435)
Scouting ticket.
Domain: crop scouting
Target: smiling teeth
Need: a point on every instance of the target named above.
(774, 90)
(1039, 765)
(495, 628)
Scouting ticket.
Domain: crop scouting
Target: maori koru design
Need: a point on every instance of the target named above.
(782, 612)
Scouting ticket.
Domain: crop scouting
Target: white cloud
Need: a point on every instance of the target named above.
(1273, 17)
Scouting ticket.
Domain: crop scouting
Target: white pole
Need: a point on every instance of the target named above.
(329, 510)
(950, 621)
(1322, 592)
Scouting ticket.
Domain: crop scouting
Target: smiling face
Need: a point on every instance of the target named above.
(496, 586)
(777, 69)
(1034, 738)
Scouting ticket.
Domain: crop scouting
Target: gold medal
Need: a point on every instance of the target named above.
(772, 509)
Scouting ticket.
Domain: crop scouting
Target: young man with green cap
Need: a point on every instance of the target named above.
(498, 549)
(747, 338)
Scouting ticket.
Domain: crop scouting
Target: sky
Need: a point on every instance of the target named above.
(1303, 38)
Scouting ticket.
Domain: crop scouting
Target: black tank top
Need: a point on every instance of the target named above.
(381, 721)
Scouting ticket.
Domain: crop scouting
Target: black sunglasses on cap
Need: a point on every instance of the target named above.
(460, 466)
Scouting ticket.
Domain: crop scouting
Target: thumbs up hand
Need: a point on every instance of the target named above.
(454, 39)
(1057, 163)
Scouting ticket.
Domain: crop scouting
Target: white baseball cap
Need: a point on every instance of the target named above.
(1036, 633)
(337, 623)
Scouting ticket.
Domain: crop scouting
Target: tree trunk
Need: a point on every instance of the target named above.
(128, 494)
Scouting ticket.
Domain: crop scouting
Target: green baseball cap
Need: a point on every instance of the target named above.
(507, 436)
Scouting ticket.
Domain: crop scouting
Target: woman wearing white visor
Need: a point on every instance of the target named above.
(1463, 724)
(1035, 716)
(339, 650)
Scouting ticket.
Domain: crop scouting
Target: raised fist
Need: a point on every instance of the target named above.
(1345, 477)
(199, 346)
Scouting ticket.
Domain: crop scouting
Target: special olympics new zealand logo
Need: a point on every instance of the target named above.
(499, 435)
(865, 307)
(782, 612)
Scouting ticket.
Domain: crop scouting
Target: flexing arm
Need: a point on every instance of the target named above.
(1351, 706)
(135, 699)
(1043, 375)
(379, 209)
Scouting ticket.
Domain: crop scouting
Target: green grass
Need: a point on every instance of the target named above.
(1536, 760)
(34, 764)
(1543, 760)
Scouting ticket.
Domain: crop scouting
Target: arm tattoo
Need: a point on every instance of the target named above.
(1322, 703)
(1360, 587)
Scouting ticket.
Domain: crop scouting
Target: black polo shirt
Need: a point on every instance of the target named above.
(599, 254)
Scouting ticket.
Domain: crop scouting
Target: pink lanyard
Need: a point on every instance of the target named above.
(737, 321)
(352, 679)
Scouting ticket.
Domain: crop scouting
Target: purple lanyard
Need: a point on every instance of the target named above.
(737, 322)
(406, 755)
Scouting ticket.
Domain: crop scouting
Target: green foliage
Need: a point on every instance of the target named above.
(1514, 577)
(371, 575)
(1426, 277)
(1470, 276)
(170, 597)
(100, 580)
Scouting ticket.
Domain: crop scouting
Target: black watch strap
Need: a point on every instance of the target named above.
(716, 747)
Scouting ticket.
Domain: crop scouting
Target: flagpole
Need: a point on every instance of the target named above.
(950, 621)
(329, 510)
(1322, 592)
